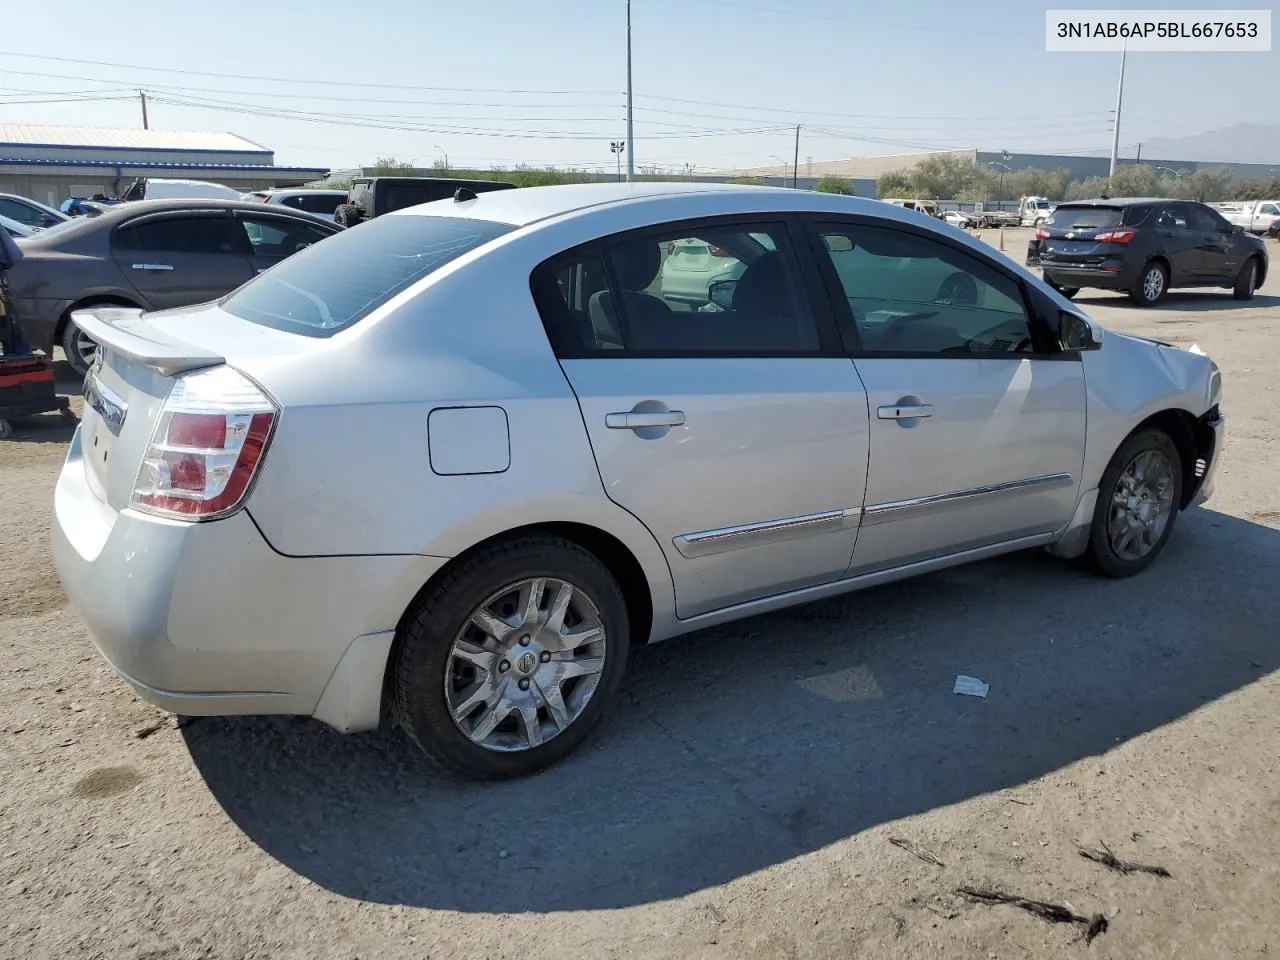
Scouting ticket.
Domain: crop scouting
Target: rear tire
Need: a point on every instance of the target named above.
(1152, 285)
(1067, 292)
(522, 716)
(1247, 280)
(78, 348)
(1130, 529)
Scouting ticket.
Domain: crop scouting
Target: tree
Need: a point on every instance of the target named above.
(830, 184)
(749, 181)
(1088, 189)
(1134, 180)
(1208, 185)
(391, 167)
(893, 184)
(942, 176)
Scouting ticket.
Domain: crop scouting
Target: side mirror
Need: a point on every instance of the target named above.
(1078, 332)
(720, 292)
(836, 243)
(47, 221)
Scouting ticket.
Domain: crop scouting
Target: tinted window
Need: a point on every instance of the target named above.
(181, 235)
(724, 291)
(314, 203)
(332, 285)
(1172, 216)
(397, 196)
(1086, 218)
(19, 211)
(276, 237)
(1202, 218)
(911, 294)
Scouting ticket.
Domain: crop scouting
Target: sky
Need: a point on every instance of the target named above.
(718, 84)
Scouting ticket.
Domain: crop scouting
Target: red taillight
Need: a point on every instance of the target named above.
(1115, 236)
(207, 446)
(718, 251)
(1042, 234)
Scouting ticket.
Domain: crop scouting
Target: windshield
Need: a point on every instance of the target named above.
(1086, 218)
(336, 283)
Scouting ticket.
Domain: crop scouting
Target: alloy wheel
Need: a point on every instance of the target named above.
(1141, 505)
(1153, 284)
(525, 664)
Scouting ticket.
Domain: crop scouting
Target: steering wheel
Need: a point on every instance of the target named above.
(959, 289)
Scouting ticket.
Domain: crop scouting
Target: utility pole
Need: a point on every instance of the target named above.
(1115, 136)
(142, 95)
(1139, 158)
(795, 166)
(631, 140)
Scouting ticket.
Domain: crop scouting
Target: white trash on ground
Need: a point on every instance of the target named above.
(970, 686)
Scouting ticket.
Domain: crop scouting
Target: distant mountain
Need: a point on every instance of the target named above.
(1242, 143)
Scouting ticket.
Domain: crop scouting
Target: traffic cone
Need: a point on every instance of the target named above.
(1000, 247)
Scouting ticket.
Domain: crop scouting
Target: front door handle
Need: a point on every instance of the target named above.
(635, 421)
(905, 411)
(153, 266)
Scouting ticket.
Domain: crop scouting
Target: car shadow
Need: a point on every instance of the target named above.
(756, 742)
(1189, 301)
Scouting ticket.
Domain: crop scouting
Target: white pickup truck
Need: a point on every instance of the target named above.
(1254, 217)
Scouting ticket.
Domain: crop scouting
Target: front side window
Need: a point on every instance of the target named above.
(332, 285)
(910, 294)
(730, 290)
(1209, 221)
(279, 238)
(181, 235)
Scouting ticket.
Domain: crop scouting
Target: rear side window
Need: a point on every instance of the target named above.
(181, 235)
(333, 285)
(1086, 218)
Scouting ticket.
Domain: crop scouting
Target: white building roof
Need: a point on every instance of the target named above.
(41, 135)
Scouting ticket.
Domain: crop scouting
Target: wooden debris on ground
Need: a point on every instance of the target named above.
(1052, 912)
(1109, 859)
(915, 851)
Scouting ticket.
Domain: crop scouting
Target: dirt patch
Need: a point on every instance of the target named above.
(106, 782)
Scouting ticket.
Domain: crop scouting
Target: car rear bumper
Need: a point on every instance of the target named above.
(206, 619)
(1067, 275)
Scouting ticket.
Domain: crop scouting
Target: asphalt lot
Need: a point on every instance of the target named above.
(740, 801)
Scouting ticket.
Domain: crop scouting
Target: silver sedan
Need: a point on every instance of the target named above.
(451, 466)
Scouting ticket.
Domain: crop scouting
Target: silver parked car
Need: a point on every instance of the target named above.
(456, 462)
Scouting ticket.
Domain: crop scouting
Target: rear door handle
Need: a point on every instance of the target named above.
(895, 411)
(153, 266)
(634, 421)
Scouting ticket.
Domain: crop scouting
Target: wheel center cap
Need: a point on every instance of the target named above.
(526, 663)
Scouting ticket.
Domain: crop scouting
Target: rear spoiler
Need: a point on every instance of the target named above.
(122, 330)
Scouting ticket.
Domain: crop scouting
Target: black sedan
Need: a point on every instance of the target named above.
(153, 254)
(1147, 246)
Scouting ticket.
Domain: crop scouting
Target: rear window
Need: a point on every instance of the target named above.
(1086, 218)
(336, 283)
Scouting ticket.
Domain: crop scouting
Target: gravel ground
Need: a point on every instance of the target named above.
(741, 800)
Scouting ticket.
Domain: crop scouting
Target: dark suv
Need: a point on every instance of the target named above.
(373, 196)
(1147, 246)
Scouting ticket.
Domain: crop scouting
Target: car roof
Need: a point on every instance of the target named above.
(531, 204)
(122, 211)
(277, 191)
(1120, 201)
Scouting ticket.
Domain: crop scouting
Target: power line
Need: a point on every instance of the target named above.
(886, 24)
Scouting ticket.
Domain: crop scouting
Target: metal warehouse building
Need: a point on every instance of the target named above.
(50, 164)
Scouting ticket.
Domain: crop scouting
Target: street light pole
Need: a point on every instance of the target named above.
(617, 146)
(631, 141)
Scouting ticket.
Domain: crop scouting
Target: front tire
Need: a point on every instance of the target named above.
(1246, 281)
(1138, 502)
(1152, 285)
(507, 662)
